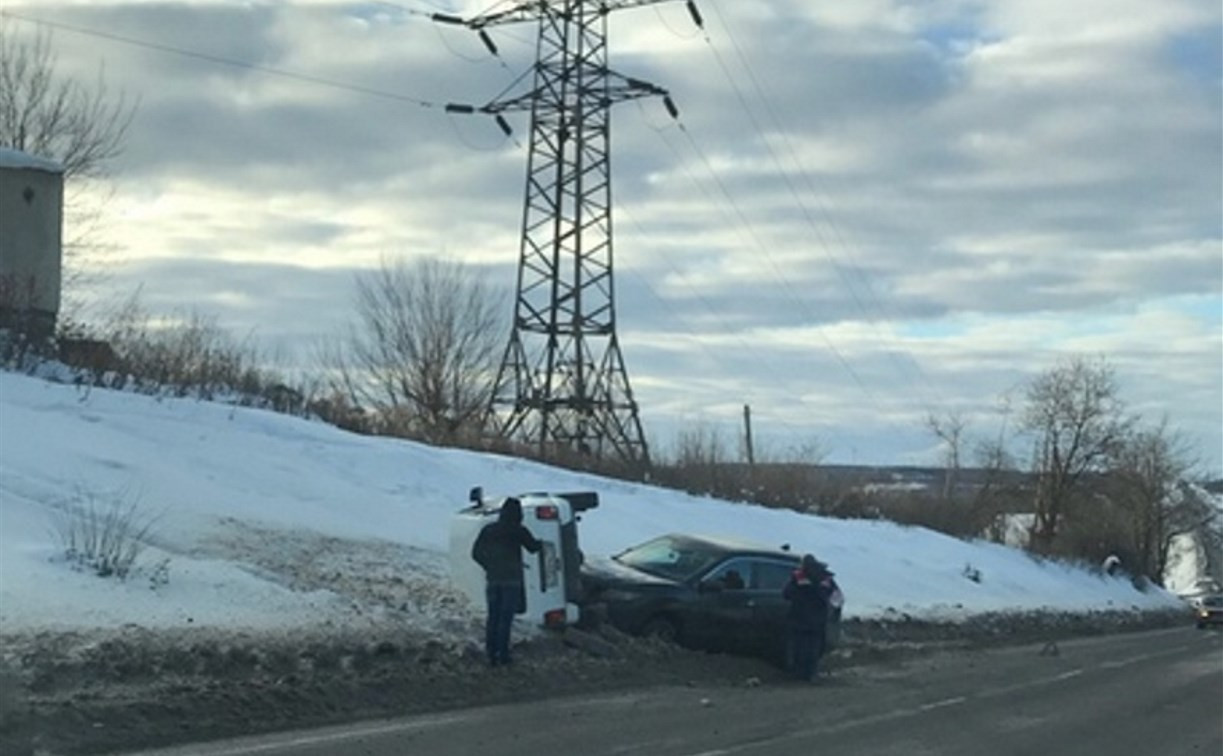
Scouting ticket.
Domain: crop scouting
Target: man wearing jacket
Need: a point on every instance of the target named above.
(808, 593)
(498, 549)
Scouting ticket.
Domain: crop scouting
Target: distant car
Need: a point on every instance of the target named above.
(1209, 611)
(701, 592)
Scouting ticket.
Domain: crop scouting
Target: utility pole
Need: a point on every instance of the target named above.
(562, 386)
(747, 436)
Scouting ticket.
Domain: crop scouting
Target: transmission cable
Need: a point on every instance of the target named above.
(291, 75)
(825, 246)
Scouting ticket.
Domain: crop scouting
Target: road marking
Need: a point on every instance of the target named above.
(850, 724)
(1066, 675)
(308, 740)
(1145, 657)
(942, 704)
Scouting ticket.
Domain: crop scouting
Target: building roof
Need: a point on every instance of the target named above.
(11, 158)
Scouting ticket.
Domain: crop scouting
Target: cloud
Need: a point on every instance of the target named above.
(865, 212)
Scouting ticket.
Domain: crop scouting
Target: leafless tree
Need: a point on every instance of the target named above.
(424, 348)
(1077, 419)
(80, 127)
(950, 430)
(1149, 467)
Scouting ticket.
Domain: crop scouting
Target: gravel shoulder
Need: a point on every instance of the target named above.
(98, 692)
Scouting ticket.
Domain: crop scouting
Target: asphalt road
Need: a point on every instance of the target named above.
(1146, 694)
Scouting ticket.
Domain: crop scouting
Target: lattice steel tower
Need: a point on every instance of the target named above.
(562, 384)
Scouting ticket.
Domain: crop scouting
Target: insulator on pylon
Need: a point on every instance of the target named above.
(669, 104)
(488, 42)
(696, 15)
(445, 18)
(505, 125)
(454, 107)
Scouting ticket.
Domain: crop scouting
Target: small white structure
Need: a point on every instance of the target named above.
(31, 251)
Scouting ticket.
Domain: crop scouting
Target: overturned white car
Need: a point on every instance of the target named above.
(552, 577)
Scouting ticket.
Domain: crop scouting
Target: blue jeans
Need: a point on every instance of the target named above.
(504, 601)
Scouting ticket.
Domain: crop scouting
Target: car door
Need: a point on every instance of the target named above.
(767, 631)
(722, 613)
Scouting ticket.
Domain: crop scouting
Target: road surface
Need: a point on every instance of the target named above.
(1146, 694)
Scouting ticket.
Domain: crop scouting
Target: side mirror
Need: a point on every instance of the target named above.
(710, 586)
(476, 495)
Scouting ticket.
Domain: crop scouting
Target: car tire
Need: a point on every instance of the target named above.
(1201, 626)
(661, 628)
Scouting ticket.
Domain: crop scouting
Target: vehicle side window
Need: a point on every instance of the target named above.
(770, 575)
(731, 575)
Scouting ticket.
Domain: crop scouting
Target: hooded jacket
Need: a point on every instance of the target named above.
(498, 548)
(808, 592)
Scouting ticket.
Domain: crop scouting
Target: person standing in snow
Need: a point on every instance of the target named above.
(498, 549)
(808, 591)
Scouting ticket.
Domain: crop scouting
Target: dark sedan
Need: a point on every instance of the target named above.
(701, 592)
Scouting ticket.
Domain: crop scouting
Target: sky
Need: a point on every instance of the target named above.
(266, 521)
(867, 212)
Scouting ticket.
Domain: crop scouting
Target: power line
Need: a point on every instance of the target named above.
(220, 60)
(748, 236)
(827, 248)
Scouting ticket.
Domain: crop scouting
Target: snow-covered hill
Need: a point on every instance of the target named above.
(264, 520)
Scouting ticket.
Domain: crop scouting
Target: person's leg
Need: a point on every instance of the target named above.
(791, 659)
(505, 621)
(492, 598)
(800, 653)
(819, 644)
(811, 651)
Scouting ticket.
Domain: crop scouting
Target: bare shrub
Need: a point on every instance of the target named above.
(104, 537)
(422, 353)
(183, 354)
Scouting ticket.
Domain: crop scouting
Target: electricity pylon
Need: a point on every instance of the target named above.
(562, 385)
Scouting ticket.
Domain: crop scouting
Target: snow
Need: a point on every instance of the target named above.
(11, 158)
(261, 520)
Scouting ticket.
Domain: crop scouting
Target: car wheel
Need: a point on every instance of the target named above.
(1201, 626)
(661, 628)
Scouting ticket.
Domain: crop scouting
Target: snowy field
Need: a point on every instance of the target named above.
(264, 521)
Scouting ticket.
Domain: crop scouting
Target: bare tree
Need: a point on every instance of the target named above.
(950, 430)
(423, 352)
(1077, 418)
(80, 127)
(1148, 469)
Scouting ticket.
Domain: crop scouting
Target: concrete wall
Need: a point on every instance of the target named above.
(31, 251)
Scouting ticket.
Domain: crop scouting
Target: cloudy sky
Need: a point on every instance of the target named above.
(874, 210)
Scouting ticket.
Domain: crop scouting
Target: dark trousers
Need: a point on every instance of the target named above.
(504, 601)
(804, 651)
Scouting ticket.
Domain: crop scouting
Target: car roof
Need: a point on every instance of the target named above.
(737, 546)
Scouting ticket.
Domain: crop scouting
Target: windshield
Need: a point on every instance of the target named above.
(670, 557)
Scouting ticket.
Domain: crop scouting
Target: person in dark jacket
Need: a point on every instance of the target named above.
(498, 549)
(808, 593)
